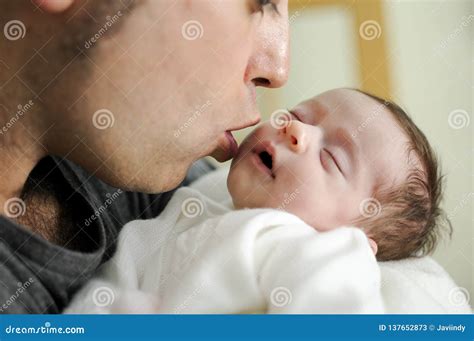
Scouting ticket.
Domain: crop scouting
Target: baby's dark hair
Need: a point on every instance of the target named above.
(409, 220)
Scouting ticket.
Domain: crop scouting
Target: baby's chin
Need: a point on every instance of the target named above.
(241, 203)
(245, 201)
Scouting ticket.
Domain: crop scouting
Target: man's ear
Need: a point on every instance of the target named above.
(54, 6)
(373, 245)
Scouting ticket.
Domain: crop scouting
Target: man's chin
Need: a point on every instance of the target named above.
(149, 187)
(157, 182)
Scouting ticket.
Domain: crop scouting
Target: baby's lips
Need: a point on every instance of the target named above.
(269, 147)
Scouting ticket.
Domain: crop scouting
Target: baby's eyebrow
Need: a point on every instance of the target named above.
(312, 114)
(319, 112)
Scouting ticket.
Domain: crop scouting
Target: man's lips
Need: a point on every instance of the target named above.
(233, 146)
(227, 148)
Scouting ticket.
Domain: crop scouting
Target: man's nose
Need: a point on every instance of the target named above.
(269, 63)
(295, 136)
(273, 68)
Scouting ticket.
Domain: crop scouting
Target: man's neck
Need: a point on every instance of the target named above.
(23, 130)
(21, 144)
(20, 151)
(15, 167)
(34, 206)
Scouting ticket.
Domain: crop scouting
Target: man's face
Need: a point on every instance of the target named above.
(173, 79)
(339, 147)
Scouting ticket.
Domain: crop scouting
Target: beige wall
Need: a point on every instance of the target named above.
(431, 67)
(432, 64)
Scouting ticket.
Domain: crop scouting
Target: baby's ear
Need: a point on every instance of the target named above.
(373, 245)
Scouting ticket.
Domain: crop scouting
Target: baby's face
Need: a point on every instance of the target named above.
(338, 148)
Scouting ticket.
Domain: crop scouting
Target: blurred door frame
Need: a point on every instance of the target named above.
(372, 61)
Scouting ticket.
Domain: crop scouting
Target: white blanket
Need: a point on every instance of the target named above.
(199, 256)
(409, 286)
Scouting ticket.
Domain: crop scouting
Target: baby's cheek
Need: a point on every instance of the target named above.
(306, 208)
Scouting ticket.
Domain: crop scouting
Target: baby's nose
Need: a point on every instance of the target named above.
(296, 136)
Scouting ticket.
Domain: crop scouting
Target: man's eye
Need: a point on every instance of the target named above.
(262, 3)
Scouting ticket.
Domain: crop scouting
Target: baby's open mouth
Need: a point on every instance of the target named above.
(266, 159)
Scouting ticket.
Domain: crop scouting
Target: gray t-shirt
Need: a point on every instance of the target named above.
(37, 276)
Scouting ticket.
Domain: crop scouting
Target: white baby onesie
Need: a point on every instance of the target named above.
(199, 256)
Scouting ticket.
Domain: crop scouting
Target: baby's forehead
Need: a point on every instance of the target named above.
(344, 106)
(340, 98)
